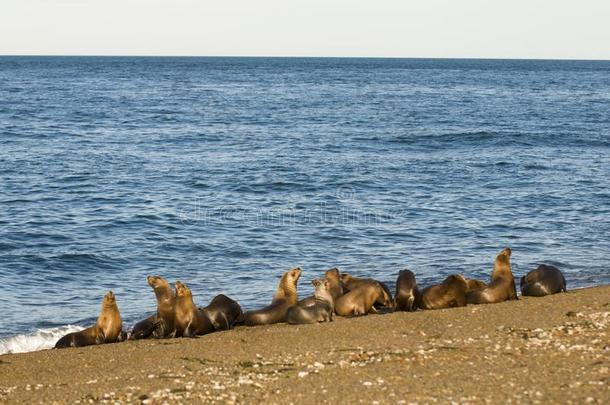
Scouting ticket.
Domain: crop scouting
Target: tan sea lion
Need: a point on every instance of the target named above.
(406, 291)
(502, 284)
(361, 299)
(448, 294)
(107, 329)
(350, 282)
(223, 312)
(189, 320)
(336, 287)
(166, 299)
(475, 284)
(321, 311)
(544, 280)
(285, 297)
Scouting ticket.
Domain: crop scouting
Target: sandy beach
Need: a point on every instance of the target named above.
(554, 349)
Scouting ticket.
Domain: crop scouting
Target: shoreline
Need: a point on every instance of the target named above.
(535, 350)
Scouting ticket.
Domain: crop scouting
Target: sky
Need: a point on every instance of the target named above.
(541, 29)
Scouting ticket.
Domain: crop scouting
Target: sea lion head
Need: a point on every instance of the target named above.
(321, 284)
(157, 282)
(384, 299)
(346, 278)
(293, 275)
(109, 298)
(457, 280)
(505, 252)
(333, 273)
(182, 290)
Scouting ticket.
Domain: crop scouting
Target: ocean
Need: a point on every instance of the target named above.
(225, 172)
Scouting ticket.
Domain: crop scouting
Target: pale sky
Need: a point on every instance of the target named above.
(553, 29)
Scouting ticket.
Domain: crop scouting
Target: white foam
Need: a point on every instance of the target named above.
(40, 340)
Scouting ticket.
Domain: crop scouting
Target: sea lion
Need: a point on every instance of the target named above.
(448, 294)
(223, 312)
(285, 297)
(321, 311)
(502, 284)
(143, 329)
(406, 291)
(361, 299)
(475, 284)
(107, 329)
(336, 287)
(544, 280)
(166, 299)
(189, 320)
(350, 282)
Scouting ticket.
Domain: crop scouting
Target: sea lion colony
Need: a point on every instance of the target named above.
(336, 293)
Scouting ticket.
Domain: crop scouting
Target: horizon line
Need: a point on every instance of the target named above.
(301, 57)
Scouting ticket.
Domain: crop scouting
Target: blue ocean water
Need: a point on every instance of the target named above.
(225, 172)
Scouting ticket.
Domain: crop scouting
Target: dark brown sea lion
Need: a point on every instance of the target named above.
(448, 294)
(502, 284)
(544, 280)
(350, 282)
(223, 312)
(107, 329)
(189, 320)
(166, 299)
(321, 311)
(285, 297)
(406, 291)
(360, 300)
(475, 284)
(336, 287)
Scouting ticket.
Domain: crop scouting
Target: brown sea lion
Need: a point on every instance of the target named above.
(285, 297)
(143, 329)
(189, 320)
(361, 299)
(350, 282)
(475, 284)
(406, 291)
(223, 312)
(544, 280)
(502, 284)
(336, 287)
(166, 299)
(107, 329)
(448, 294)
(321, 311)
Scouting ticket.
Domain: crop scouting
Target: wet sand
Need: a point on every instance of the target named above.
(536, 350)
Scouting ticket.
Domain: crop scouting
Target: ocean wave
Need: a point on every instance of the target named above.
(40, 340)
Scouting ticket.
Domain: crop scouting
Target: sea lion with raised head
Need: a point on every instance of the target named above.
(406, 291)
(321, 311)
(361, 300)
(336, 287)
(502, 284)
(188, 319)
(107, 329)
(166, 300)
(285, 297)
(450, 293)
(223, 312)
(544, 280)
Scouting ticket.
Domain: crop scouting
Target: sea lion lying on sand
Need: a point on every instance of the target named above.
(360, 300)
(285, 297)
(350, 283)
(544, 280)
(321, 311)
(223, 312)
(336, 287)
(448, 294)
(406, 291)
(107, 329)
(189, 320)
(502, 284)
